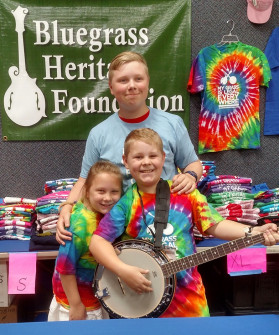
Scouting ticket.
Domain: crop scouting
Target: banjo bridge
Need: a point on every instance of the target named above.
(100, 294)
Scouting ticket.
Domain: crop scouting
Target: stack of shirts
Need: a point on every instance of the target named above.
(209, 168)
(241, 211)
(207, 175)
(57, 185)
(232, 197)
(43, 236)
(224, 189)
(47, 211)
(17, 216)
(267, 202)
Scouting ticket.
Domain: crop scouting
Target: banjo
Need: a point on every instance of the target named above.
(120, 301)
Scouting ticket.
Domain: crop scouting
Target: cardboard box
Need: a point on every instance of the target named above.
(5, 298)
(8, 314)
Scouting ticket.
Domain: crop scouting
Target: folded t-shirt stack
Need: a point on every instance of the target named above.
(207, 174)
(268, 202)
(47, 210)
(65, 184)
(17, 215)
(209, 168)
(232, 197)
(241, 210)
(43, 235)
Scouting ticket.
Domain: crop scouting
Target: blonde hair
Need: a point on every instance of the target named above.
(97, 168)
(124, 58)
(145, 135)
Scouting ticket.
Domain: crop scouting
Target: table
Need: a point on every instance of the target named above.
(229, 325)
(8, 246)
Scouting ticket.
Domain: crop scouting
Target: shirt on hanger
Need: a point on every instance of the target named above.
(228, 77)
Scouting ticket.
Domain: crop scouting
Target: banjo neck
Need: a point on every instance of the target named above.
(202, 257)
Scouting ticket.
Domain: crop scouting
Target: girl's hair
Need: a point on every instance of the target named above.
(97, 168)
(145, 135)
(124, 58)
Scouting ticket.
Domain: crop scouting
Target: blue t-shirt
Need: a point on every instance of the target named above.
(106, 141)
(271, 119)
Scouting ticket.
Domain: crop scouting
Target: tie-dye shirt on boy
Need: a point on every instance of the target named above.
(126, 218)
(228, 78)
(74, 258)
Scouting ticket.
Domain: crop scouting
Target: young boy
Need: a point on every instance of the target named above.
(134, 213)
(129, 83)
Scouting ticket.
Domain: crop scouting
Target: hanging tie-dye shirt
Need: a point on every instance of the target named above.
(74, 258)
(185, 210)
(228, 78)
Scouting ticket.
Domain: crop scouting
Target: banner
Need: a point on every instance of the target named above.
(55, 57)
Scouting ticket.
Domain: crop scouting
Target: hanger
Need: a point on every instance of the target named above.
(229, 38)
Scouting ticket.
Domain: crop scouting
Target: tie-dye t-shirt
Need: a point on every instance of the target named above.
(228, 78)
(75, 258)
(126, 218)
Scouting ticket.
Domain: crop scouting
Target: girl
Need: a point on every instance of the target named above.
(74, 269)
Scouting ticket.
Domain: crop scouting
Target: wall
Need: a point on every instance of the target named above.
(25, 166)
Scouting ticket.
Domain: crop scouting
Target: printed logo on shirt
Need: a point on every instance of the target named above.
(168, 239)
(167, 231)
(228, 91)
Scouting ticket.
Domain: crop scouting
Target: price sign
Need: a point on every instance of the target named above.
(22, 273)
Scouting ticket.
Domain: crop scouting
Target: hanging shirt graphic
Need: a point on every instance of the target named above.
(228, 78)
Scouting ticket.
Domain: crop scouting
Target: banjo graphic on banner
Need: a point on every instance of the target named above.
(24, 102)
(55, 58)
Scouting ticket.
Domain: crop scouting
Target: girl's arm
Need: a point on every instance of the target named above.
(77, 309)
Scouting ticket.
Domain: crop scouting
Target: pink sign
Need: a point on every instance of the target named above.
(22, 273)
(247, 261)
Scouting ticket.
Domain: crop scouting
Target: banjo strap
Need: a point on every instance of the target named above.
(161, 211)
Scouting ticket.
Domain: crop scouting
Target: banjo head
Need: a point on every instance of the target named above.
(119, 300)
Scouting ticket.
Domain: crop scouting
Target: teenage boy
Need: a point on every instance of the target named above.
(135, 211)
(129, 83)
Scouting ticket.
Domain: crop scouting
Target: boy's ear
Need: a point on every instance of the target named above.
(110, 87)
(125, 161)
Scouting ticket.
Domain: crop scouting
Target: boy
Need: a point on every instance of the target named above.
(129, 83)
(134, 213)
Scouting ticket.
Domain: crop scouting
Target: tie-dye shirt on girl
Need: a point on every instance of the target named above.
(74, 258)
(228, 78)
(126, 218)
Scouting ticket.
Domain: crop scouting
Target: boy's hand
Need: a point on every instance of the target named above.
(183, 183)
(64, 221)
(270, 232)
(135, 279)
(77, 312)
